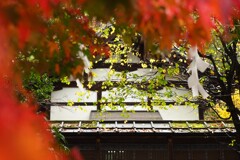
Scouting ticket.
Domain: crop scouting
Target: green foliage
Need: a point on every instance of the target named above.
(70, 103)
(92, 124)
(233, 143)
(179, 125)
(122, 83)
(65, 80)
(223, 54)
(60, 139)
(40, 85)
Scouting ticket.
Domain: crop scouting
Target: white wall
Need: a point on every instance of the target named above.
(179, 113)
(71, 112)
(82, 95)
(83, 112)
(73, 94)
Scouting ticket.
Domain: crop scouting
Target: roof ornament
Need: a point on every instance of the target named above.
(86, 62)
(196, 64)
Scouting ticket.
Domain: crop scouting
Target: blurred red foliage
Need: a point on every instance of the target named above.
(24, 134)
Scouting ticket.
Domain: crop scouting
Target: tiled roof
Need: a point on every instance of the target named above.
(157, 127)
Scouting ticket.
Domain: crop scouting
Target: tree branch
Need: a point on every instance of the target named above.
(221, 83)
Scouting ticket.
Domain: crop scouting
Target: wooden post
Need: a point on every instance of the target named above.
(170, 148)
(99, 97)
(98, 149)
(149, 101)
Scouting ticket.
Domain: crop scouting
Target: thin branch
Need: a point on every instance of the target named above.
(223, 55)
(224, 46)
(221, 83)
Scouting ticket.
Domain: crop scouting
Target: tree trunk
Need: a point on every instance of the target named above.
(236, 121)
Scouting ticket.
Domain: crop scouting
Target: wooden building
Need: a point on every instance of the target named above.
(168, 133)
(150, 140)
